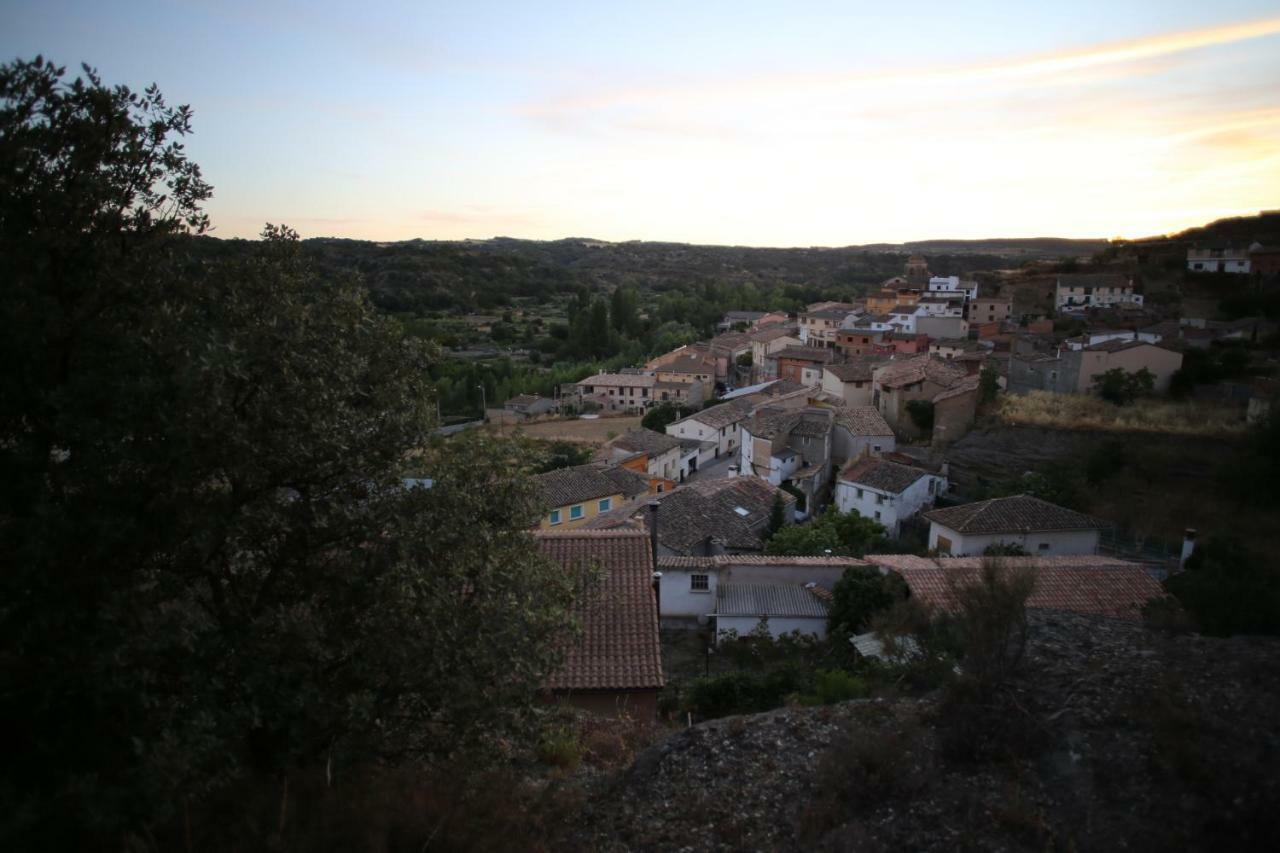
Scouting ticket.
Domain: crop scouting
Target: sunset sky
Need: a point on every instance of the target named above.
(761, 124)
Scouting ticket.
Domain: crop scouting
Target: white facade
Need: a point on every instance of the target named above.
(726, 438)
(953, 284)
(1037, 544)
(886, 507)
(1218, 260)
(1077, 297)
(682, 597)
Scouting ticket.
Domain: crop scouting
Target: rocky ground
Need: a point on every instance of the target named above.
(1113, 737)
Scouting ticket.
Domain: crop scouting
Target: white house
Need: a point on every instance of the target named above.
(687, 590)
(1038, 527)
(953, 284)
(1218, 259)
(886, 491)
(1094, 290)
(719, 424)
(783, 608)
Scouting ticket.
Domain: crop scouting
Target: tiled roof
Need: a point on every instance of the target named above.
(856, 369)
(687, 364)
(613, 380)
(566, 486)
(814, 354)
(1012, 515)
(863, 420)
(645, 441)
(880, 474)
(1121, 346)
(769, 423)
(522, 400)
(732, 341)
(772, 333)
(722, 560)
(707, 509)
(1110, 588)
(908, 371)
(968, 385)
(723, 415)
(618, 648)
(755, 599)
(749, 316)
(628, 482)
(828, 314)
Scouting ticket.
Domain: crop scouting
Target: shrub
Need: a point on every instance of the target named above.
(1226, 590)
(861, 592)
(921, 412)
(559, 748)
(836, 685)
(743, 692)
(992, 618)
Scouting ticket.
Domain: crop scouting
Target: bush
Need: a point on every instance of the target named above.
(1227, 590)
(921, 412)
(861, 592)
(835, 685)
(743, 692)
(992, 618)
(559, 748)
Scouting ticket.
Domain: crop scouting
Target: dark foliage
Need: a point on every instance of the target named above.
(1227, 589)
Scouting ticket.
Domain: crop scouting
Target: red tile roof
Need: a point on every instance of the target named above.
(1080, 584)
(618, 648)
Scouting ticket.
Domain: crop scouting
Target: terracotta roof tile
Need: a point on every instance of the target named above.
(618, 648)
(1011, 515)
(881, 474)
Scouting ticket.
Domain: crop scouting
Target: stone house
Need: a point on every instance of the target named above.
(887, 492)
(577, 494)
(790, 446)
(850, 381)
(911, 378)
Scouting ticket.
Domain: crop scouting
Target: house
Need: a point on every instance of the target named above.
(718, 424)
(782, 608)
(850, 382)
(1074, 371)
(990, 309)
(790, 446)
(1264, 260)
(952, 348)
(735, 319)
(530, 405)
(617, 392)
(1038, 527)
(1218, 259)
(656, 455)
(766, 342)
(727, 349)
(902, 343)
(887, 492)
(818, 326)
(955, 409)
(690, 369)
(576, 494)
(726, 516)
(860, 431)
(952, 284)
(614, 666)
(689, 587)
(803, 364)
(679, 393)
(1101, 586)
(903, 380)
(1079, 291)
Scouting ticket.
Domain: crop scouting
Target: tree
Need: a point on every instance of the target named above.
(213, 565)
(777, 517)
(921, 412)
(860, 594)
(843, 534)
(1121, 387)
(988, 385)
(1228, 590)
(664, 414)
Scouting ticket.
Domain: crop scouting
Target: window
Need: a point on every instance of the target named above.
(699, 583)
(944, 545)
(575, 512)
(555, 516)
(1043, 546)
(605, 504)
(875, 448)
(879, 500)
(877, 515)
(859, 494)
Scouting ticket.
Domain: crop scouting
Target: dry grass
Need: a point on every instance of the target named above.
(1077, 411)
(590, 432)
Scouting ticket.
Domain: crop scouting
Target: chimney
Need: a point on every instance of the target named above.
(1188, 547)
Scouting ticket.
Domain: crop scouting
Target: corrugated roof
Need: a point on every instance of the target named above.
(753, 599)
(1017, 514)
(619, 647)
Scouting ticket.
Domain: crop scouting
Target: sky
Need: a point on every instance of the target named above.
(764, 124)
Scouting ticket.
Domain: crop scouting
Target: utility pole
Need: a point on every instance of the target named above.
(484, 406)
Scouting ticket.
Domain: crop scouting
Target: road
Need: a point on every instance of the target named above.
(716, 469)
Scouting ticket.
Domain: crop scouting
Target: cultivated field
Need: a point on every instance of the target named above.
(1077, 411)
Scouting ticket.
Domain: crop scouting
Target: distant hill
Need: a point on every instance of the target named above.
(1240, 231)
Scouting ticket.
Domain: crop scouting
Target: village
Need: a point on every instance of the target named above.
(848, 410)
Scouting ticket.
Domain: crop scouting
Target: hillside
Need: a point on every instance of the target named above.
(1114, 737)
